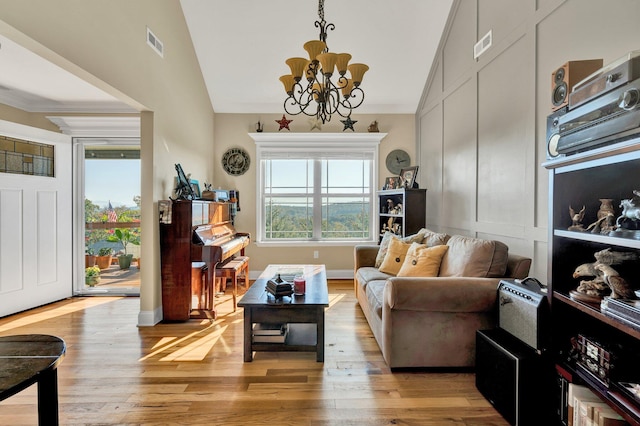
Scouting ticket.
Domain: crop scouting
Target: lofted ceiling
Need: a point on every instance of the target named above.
(242, 45)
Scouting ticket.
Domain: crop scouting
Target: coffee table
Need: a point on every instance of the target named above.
(296, 311)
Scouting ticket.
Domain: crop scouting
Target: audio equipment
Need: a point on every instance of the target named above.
(511, 376)
(553, 132)
(616, 74)
(612, 117)
(568, 75)
(523, 311)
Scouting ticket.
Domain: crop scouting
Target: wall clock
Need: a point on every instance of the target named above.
(236, 161)
(397, 160)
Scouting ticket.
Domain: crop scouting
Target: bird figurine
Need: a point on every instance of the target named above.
(597, 286)
(620, 288)
(576, 219)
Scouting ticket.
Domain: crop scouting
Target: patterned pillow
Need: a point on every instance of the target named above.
(422, 261)
(395, 256)
(386, 239)
(433, 238)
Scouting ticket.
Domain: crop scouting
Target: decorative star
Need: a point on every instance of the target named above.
(348, 124)
(284, 123)
(315, 123)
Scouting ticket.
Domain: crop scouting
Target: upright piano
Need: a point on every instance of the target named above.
(193, 231)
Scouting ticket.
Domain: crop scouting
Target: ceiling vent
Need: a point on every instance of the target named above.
(482, 45)
(155, 43)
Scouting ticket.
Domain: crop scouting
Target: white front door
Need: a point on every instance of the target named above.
(35, 226)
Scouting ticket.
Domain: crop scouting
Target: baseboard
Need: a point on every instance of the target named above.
(334, 274)
(150, 318)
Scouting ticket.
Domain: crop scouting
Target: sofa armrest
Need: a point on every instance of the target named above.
(441, 294)
(365, 255)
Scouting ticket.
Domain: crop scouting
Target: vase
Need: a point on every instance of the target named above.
(103, 262)
(89, 260)
(124, 260)
(606, 208)
(91, 281)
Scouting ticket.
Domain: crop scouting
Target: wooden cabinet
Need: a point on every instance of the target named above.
(577, 181)
(401, 211)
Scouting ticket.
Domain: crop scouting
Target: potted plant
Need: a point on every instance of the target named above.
(103, 260)
(89, 257)
(92, 276)
(124, 237)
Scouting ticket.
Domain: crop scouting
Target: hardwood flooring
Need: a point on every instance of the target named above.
(192, 373)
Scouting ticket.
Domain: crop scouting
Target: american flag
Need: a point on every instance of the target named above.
(111, 214)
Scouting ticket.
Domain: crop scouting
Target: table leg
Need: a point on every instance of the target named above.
(320, 335)
(248, 352)
(48, 398)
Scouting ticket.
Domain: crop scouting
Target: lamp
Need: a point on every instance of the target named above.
(310, 89)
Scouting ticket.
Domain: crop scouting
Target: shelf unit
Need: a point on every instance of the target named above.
(582, 180)
(410, 219)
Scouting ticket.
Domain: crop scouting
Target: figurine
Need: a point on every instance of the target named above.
(597, 286)
(576, 219)
(630, 209)
(620, 288)
(373, 127)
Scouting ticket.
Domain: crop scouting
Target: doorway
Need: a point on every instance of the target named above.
(108, 204)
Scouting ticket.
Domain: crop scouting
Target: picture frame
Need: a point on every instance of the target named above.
(391, 182)
(408, 176)
(195, 187)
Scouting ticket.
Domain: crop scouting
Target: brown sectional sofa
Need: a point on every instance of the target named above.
(432, 321)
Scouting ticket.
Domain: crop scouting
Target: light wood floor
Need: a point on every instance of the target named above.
(192, 373)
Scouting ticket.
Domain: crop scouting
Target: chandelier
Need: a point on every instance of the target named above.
(321, 96)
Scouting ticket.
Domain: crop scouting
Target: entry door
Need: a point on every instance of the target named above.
(35, 224)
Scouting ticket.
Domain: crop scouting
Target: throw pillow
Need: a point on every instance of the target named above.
(395, 256)
(384, 244)
(474, 257)
(431, 238)
(422, 261)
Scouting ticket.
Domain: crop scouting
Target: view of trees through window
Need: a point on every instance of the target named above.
(100, 224)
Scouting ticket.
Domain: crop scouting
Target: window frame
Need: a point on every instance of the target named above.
(270, 144)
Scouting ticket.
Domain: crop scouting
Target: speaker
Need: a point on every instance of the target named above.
(513, 378)
(553, 132)
(564, 78)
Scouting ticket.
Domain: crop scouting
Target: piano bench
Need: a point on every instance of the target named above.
(237, 267)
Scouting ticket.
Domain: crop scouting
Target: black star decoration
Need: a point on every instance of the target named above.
(348, 124)
(284, 123)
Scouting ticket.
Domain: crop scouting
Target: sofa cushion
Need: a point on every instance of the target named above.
(422, 261)
(386, 239)
(395, 256)
(431, 239)
(375, 296)
(474, 257)
(369, 273)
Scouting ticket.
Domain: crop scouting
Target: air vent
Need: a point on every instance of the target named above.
(155, 43)
(482, 45)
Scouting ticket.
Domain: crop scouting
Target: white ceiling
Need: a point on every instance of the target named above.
(242, 45)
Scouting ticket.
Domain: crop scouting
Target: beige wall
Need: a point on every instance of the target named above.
(482, 124)
(231, 130)
(104, 43)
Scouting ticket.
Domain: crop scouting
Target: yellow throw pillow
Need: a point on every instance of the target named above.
(394, 258)
(422, 261)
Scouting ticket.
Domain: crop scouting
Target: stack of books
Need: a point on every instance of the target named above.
(587, 409)
(270, 333)
(623, 310)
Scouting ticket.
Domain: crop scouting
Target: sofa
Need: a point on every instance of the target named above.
(430, 318)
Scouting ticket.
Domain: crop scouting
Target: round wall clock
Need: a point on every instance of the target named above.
(397, 160)
(236, 161)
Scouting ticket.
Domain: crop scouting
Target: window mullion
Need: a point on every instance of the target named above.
(317, 199)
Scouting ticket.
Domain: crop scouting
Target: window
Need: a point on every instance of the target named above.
(316, 187)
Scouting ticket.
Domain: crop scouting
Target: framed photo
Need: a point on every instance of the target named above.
(408, 176)
(195, 187)
(391, 182)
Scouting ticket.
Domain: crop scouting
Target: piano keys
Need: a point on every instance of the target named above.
(194, 231)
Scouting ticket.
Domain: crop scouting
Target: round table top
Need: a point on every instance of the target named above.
(23, 357)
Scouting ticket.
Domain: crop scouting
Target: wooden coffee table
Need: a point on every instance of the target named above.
(296, 311)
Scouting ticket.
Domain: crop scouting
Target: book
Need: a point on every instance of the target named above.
(578, 394)
(605, 416)
(266, 329)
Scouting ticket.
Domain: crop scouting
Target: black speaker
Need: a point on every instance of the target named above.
(514, 378)
(553, 132)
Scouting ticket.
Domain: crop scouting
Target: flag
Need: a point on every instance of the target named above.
(111, 214)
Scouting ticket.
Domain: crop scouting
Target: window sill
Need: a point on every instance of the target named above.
(349, 243)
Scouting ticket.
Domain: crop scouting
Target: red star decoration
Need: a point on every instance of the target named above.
(284, 123)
